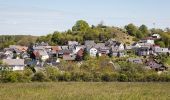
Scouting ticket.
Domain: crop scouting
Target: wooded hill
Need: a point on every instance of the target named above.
(24, 40)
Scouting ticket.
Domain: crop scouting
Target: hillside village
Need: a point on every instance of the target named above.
(42, 54)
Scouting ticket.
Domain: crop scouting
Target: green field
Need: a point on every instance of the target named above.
(85, 91)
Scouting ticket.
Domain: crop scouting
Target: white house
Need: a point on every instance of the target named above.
(121, 47)
(93, 52)
(148, 40)
(158, 49)
(156, 36)
(44, 55)
(15, 64)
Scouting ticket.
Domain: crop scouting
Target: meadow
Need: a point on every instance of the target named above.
(85, 91)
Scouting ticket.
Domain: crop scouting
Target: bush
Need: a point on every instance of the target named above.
(39, 76)
(122, 78)
(52, 73)
(65, 76)
(109, 77)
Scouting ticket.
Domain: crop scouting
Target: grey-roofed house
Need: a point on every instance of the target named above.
(99, 45)
(161, 50)
(89, 44)
(14, 64)
(135, 60)
(143, 51)
(74, 43)
(110, 42)
(156, 66)
(117, 50)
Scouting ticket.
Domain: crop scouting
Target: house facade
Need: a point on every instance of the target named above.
(15, 64)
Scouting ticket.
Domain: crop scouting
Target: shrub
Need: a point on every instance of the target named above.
(39, 76)
(122, 78)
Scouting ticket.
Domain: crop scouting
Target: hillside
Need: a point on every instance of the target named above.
(6, 40)
(122, 36)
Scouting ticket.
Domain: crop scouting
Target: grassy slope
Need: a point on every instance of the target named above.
(85, 91)
(123, 37)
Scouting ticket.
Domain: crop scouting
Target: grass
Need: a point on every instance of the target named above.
(85, 91)
(168, 61)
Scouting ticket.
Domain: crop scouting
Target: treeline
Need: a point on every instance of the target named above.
(102, 69)
(82, 31)
(24, 40)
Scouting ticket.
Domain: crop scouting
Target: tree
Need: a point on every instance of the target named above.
(139, 34)
(131, 29)
(56, 37)
(81, 26)
(161, 43)
(144, 30)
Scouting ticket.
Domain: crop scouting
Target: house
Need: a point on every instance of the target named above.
(24, 55)
(18, 48)
(69, 57)
(156, 36)
(89, 43)
(117, 50)
(14, 64)
(128, 47)
(55, 49)
(2, 55)
(48, 49)
(65, 52)
(77, 48)
(99, 45)
(79, 55)
(119, 46)
(135, 60)
(148, 40)
(156, 66)
(103, 50)
(118, 53)
(73, 43)
(158, 50)
(110, 42)
(143, 51)
(41, 44)
(64, 47)
(42, 54)
(93, 52)
(8, 54)
(136, 45)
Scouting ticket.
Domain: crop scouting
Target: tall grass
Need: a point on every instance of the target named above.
(85, 91)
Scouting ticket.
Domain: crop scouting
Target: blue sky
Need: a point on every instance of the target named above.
(40, 17)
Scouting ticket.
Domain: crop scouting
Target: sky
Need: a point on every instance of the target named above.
(41, 17)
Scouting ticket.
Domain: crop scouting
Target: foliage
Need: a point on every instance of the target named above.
(24, 40)
(39, 76)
